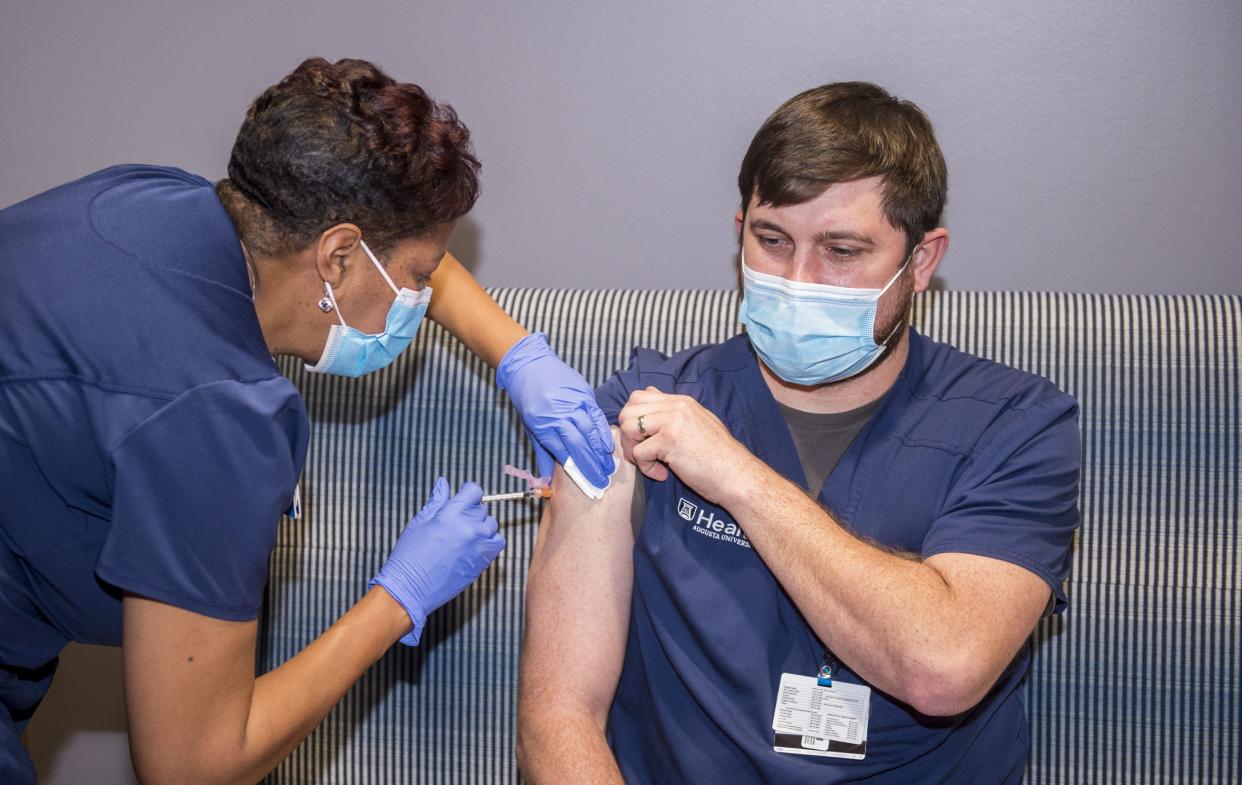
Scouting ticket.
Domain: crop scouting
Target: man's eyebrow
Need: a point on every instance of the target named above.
(862, 239)
(759, 223)
(854, 236)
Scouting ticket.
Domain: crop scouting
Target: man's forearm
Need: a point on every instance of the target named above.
(897, 622)
(555, 747)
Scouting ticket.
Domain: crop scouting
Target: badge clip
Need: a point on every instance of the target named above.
(824, 679)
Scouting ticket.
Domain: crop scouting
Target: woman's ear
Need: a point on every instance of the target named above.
(334, 251)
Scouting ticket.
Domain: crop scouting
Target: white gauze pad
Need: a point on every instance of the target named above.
(583, 483)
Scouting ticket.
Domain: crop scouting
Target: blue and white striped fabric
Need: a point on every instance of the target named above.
(1139, 683)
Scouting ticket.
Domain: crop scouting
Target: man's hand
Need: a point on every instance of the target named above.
(677, 433)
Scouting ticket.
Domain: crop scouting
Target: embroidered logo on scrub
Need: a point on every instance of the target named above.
(709, 524)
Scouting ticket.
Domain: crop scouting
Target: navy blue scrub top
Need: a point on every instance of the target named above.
(148, 442)
(963, 455)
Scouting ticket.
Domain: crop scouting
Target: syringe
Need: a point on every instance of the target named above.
(533, 493)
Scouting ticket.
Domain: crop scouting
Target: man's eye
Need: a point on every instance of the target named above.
(770, 242)
(845, 253)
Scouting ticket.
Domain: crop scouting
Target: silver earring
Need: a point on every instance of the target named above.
(325, 304)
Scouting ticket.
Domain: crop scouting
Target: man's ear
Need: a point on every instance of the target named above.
(334, 251)
(927, 256)
(737, 223)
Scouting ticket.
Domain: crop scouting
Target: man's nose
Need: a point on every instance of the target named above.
(803, 268)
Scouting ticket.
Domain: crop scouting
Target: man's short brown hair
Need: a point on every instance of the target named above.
(847, 131)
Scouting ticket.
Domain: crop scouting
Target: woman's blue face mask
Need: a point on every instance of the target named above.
(811, 333)
(351, 352)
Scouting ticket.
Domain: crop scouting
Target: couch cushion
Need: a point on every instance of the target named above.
(1138, 682)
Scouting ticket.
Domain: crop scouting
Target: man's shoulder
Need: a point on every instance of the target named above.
(946, 373)
(955, 401)
(681, 373)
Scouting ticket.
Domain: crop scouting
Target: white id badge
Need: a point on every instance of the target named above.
(814, 720)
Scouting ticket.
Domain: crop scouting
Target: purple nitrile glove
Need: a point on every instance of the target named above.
(558, 409)
(440, 552)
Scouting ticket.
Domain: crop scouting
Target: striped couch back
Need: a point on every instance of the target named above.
(1138, 683)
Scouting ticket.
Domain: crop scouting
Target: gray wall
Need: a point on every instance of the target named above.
(1091, 146)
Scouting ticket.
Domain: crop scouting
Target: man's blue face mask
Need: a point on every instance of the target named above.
(811, 333)
(351, 352)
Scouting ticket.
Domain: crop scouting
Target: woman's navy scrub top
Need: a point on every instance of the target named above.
(148, 442)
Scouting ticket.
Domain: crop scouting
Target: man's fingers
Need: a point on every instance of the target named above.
(655, 470)
(647, 456)
(649, 415)
(648, 395)
(628, 443)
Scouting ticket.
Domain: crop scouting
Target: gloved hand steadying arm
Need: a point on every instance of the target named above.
(442, 550)
(558, 409)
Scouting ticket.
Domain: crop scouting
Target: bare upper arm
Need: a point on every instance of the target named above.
(578, 599)
(184, 672)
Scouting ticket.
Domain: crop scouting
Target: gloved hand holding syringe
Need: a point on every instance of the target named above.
(451, 540)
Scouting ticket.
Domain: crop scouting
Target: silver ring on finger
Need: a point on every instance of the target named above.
(641, 427)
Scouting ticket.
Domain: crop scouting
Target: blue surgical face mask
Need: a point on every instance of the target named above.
(811, 333)
(351, 352)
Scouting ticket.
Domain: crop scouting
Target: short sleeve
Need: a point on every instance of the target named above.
(615, 391)
(1017, 497)
(198, 491)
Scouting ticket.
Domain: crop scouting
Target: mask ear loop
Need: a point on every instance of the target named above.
(379, 266)
(332, 297)
(893, 280)
(897, 274)
(327, 287)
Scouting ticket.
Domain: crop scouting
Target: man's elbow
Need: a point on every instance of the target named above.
(522, 751)
(946, 690)
(534, 725)
(942, 702)
(530, 751)
(541, 732)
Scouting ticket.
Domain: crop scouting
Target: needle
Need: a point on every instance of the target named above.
(533, 493)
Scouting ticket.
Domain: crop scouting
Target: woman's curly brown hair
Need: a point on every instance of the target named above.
(344, 142)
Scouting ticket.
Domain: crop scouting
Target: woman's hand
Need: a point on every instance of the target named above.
(556, 404)
(558, 409)
(440, 552)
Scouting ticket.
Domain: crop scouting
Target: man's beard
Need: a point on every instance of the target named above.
(891, 318)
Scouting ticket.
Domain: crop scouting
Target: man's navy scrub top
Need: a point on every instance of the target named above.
(148, 442)
(962, 455)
